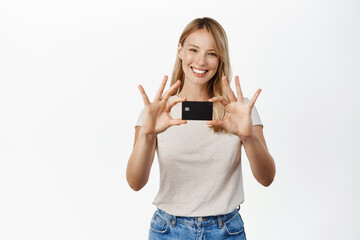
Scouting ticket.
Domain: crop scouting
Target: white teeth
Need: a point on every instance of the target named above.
(198, 71)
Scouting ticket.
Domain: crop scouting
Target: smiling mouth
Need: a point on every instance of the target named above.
(199, 71)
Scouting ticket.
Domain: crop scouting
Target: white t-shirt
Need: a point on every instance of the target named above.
(200, 171)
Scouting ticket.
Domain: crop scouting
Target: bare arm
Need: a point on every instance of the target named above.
(156, 120)
(261, 162)
(141, 159)
(238, 121)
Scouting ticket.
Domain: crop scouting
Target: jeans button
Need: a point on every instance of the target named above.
(200, 219)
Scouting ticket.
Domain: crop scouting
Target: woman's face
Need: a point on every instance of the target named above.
(199, 59)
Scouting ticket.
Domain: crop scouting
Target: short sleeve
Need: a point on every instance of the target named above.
(140, 118)
(254, 114)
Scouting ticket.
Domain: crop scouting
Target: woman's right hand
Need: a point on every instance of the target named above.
(157, 114)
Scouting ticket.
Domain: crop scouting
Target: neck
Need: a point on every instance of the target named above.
(194, 92)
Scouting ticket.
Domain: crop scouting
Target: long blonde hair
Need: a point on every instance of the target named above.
(215, 86)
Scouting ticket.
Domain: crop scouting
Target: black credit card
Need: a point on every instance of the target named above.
(197, 110)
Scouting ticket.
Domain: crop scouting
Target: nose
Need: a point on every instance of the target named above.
(201, 59)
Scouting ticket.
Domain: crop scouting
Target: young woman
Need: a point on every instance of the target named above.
(201, 186)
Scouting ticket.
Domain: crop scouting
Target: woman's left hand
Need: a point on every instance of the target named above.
(237, 118)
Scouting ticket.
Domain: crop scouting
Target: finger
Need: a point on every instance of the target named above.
(161, 89)
(144, 96)
(219, 99)
(173, 102)
(171, 90)
(219, 123)
(229, 92)
(174, 122)
(253, 99)
(239, 93)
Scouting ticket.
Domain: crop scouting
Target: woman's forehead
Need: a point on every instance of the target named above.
(201, 39)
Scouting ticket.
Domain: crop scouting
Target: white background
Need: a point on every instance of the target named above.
(69, 100)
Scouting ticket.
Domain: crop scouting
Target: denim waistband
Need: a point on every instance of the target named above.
(199, 221)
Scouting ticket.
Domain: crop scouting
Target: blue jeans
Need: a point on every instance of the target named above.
(221, 227)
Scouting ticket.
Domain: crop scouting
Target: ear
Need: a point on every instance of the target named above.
(180, 51)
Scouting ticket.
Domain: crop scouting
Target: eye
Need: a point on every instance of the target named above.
(213, 54)
(192, 50)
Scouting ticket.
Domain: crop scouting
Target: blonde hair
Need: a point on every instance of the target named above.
(215, 86)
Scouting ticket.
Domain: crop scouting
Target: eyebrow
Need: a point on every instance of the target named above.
(198, 47)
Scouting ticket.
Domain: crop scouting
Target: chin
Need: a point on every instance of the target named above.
(199, 82)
